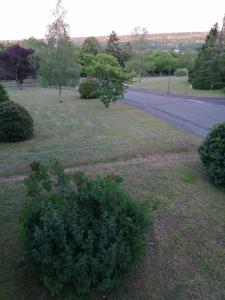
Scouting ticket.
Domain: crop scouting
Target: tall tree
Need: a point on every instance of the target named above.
(206, 72)
(122, 52)
(221, 59)
(58, 62)
(91, 46)
(111, 77)
(140, 45)
(15, 62)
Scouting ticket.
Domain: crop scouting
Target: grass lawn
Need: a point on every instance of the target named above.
(84, 131)
(186, 254)
(185, 257)
(178, 86)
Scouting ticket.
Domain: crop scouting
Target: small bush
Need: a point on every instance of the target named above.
(212, 154)
(3, 94)
(81, 234)
(89, 89)
(15, 122)
(181, 72)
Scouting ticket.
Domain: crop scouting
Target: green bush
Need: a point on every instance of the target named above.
(3, 94)
(181, 72)
(81, 234)
(89, 89)
(15, 122)
(212, 154)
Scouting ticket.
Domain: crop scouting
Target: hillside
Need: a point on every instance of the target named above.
(164, 38)
(189, 37)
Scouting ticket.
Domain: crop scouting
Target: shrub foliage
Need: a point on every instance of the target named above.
(212, 154)
(81, 234)
(181, 72)
(3, 94)
(89, 89)
(16, 123)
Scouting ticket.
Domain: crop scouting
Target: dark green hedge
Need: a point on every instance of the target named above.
(3, 94)
(89, 89)
(81, 234)
(212, 154)
(16, 123)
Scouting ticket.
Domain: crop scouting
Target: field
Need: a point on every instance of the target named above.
(178, 86)
(159, 164)
(84, 132)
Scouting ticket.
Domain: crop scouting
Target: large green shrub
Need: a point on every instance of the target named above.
(16, 123)
(89, 89)
(212, 154)
(81, 234)
(3, 94)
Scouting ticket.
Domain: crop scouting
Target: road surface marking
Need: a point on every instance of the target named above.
(197, 101)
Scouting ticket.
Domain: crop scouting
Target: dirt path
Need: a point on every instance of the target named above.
(156, 160)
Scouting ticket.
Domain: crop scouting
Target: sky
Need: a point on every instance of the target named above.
(25, 18)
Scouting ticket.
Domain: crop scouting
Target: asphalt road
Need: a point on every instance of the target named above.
(195, 115)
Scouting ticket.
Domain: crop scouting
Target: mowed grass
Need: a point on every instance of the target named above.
(185, 256)
(84, 132)
(178, 86)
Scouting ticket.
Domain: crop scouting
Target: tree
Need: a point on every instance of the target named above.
(91, 46)
(139, 47)
(58, 62)
(15, 62)
(221, 60)
(148, 65)
(163, 60)
(122, 52)
(33, 43)
(186, 59)
(110, 76)
(206, 72)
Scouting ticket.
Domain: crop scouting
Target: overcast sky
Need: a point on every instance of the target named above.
(25, 18)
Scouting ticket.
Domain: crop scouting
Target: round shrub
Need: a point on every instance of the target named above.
(81, 235)
(15, 122)
(212, 154)
(3, 94)
(181, 72)
(89, 89)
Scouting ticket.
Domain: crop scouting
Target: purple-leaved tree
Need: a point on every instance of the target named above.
(16, 63)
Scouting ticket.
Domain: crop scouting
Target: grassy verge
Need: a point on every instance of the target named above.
(178, 86)
(185, 258)
(84, 131)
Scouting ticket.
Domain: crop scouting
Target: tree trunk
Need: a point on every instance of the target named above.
(18, 83)
(60, 94)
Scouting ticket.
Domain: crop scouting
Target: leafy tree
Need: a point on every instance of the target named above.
(59, 67)
(122, 52)
(111, 77)
(221, 59)
(162, 61)
(140, 45)
(33, 43)
(148, 65)
(91, 46)
(206, 71)
(58, 62)
(186, 59)
(15, 62)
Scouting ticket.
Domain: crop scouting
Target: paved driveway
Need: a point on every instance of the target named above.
(194, 115)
